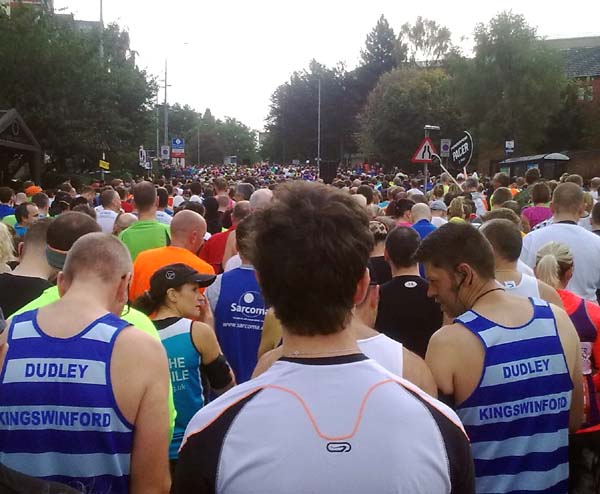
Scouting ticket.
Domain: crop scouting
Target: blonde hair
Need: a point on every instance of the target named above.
(588, 201)
(7, 248)
(457, 208)
(552, 262)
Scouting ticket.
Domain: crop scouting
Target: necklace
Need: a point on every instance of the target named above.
(297, 353)
(485, 293)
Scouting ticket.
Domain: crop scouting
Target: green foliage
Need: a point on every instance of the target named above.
(427, 41)
(76, 104)
(512, 86)
(380, 46)
(404, 100)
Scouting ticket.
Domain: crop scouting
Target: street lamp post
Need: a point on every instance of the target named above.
(319, 132)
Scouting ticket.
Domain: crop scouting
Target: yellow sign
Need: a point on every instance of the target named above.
(105, 165)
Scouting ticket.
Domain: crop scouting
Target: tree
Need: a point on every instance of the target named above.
(404, 100)
(426, 41)
(76, 104)
(512, 86)
(380, 47)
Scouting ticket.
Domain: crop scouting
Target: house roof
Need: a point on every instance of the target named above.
(537, 157)
(581, 55)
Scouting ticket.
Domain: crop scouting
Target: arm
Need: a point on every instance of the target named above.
(415, 370)
(438, 362)
(266, 361)
(230, 248)
(570, 343)
(219, 373)
(149, 454)
(271, 334)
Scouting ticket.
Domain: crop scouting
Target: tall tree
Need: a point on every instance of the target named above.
(426, 41)
(512, 86)
(404, 100)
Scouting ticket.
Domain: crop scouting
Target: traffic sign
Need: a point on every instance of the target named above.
(165, 153)
(445, 148)
(425, 152)
(178, 147)
(509, 147)
(142, 154)
(105, 165)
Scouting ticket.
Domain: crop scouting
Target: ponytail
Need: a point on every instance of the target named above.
(145, 303)
(553, 260)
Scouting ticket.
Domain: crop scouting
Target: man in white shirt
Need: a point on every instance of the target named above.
(109, 209)
(567, 205)
(438, 213)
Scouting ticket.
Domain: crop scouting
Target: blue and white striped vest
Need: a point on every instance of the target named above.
(59, 419)
(518, 416)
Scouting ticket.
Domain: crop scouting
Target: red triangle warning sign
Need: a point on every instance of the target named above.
(425, 152)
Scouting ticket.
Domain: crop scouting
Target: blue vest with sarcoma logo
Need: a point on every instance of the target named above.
(239, 316)
(518, 416)
(59, 419)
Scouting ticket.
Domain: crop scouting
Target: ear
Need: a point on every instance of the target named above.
(386, 256)
(569, 274)
(20, 249)
(172, 295)
(552, 207)
(374, 297)
(362, 287)
(62, 284)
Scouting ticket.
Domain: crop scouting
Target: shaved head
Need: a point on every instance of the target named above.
(187, 221)
(261, 199)
(567, 198)
(100, 256)
(420, 212)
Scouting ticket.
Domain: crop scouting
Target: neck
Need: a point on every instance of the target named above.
(93, 295)
(340, 343)
(558, 217)
(35, 266)
(164, 312)
(488, 292)
(378, 250)
(360, 329)
(147, 215)
(410, 271)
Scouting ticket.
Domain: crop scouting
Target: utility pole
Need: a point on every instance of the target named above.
(157, 128)
(166, 136)
(101, 32)
(319, 131)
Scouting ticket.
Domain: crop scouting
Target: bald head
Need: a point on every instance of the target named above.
(123, 222)
(260, 199)
(187, 230)
(97, 256)
(420, 212)
(567, 199)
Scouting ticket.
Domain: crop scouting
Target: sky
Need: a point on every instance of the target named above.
(230, 56)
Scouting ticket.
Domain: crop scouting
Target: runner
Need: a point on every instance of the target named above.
(7, 196)
(84, 394)
(506, 241)
(405, 313)
(187, 232)
(567, 204)
(510, 365)
(109, 209)
(147, 233)
(123, 221)
(30, 278)
(438, 213)
(283, 420)
(554, 264)
(421, 217)
(26, 214)
(378, 266)
(239, 309)
(191, 346)
(214, 248)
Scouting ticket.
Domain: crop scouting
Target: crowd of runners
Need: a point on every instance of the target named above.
(254, 330)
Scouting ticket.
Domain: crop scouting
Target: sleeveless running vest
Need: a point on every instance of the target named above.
(184, 365)
(587, 336)
(383, 350)
(528, 287)
(59, 419)
(239, 315)
(518, 416)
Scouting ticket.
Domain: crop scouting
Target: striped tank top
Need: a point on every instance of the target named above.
(518, 416)
(59, 419)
